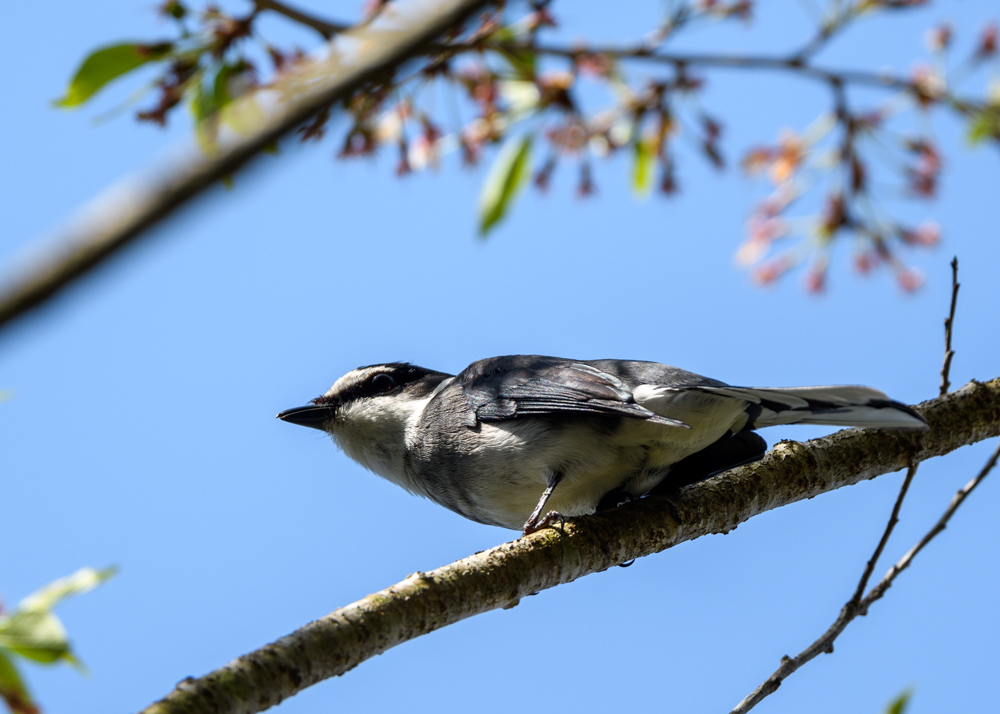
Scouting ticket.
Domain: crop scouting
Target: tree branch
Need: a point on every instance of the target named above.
(886, 582)
(792, 63)
(126, 211)
(824, 643)
(326, 29)
(859, 591)
(500, 577)
(949, 322)
(860, 606)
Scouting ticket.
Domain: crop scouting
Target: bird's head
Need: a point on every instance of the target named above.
(368, 410)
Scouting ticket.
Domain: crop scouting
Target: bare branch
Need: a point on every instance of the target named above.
(859, 592)
(948, 324)
(858, 605)
(850, 610)
(127, 211)
(854, 608)
(500, 577)
(904, 562)
(818, 42)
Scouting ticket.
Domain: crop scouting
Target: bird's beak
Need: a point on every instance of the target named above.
(312, 415)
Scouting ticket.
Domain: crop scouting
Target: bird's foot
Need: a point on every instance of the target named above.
(535, 523)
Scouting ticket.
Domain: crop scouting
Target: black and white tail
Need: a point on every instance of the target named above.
(837, 406)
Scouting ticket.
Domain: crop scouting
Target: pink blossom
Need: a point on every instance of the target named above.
(816, 280)
(926, 234)
(770, 271)
(910, 279)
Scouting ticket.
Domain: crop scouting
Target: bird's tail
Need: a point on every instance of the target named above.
(838, 406)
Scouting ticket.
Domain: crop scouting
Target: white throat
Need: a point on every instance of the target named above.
(375, 433)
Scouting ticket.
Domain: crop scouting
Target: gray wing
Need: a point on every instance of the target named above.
(503, 388)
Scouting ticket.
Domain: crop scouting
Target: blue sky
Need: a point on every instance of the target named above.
(140, 427)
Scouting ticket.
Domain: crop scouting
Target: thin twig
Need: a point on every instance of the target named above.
(948, 323)
(850, 610)
(796, 61)
(785, 63)
(323, 27)
(904, 562)
(893, 520)
(828, 28)
(815, 44)
(859, 603)
(780, 63)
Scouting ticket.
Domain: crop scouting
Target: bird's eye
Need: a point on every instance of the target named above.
(382, 383)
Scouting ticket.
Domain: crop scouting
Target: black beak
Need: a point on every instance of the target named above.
(314, 416)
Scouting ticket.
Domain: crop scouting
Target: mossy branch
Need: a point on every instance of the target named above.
(500, 577)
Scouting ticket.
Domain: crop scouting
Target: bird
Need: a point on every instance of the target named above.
(509, 437)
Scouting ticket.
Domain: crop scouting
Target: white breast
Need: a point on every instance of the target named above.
(374, 432)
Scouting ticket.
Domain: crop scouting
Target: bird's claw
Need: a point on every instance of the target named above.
(534, 525)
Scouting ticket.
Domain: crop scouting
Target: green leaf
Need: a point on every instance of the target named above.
(32, 631)
(203, 109)
(13, 690)
(899, 704)
(83, 580)
(213, 104)
(643, 158)
(507, 177)
(109, 63)
(220, 90)
(175, 9)
(36, 635)
(201, 103)
(984, 125)
(521, 61)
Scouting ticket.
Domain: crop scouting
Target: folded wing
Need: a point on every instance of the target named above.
(528, 385)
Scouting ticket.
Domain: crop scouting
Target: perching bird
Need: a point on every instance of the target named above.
(508, 437)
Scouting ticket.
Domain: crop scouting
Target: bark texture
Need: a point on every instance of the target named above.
(501, 576)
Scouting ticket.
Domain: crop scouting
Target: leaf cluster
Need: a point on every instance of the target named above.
(510, 88)
(32, 631)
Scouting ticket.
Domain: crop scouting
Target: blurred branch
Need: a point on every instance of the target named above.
(792, 63)
(369, 90)
(127, 211)
(326, 29)
(500, 577)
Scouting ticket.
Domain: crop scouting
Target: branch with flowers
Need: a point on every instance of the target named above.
(827, 183)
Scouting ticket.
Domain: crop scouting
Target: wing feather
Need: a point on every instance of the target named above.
(528, 385)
